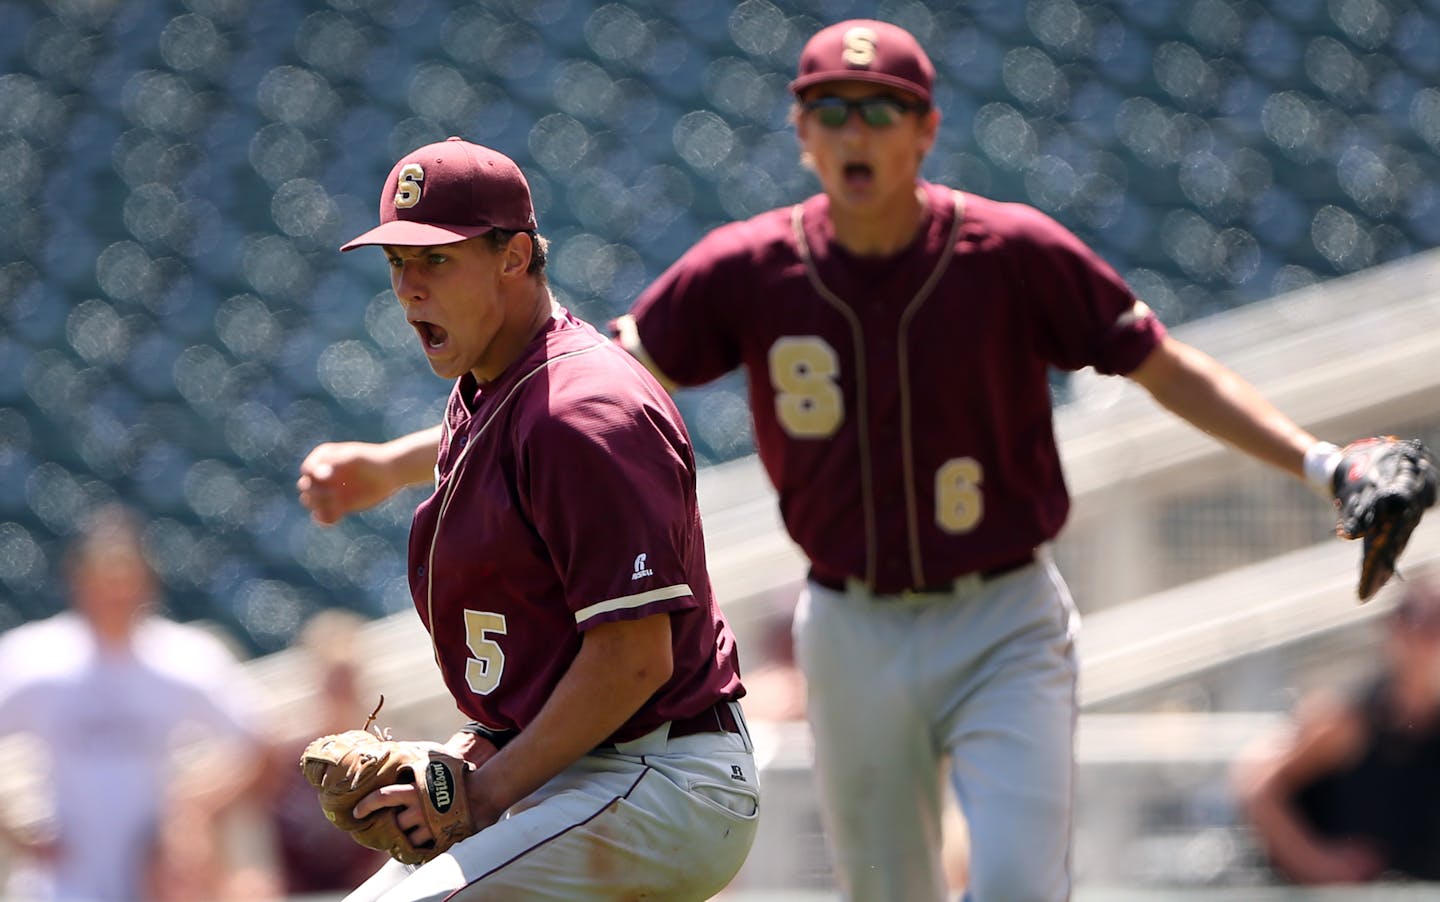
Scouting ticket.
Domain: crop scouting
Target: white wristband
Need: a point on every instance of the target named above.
(1321, 459)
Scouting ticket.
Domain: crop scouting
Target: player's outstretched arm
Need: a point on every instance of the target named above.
(1208, 395)
(341, 478)
(1380, 486)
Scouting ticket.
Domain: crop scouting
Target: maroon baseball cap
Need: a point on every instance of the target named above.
(447, 192)
(866, 50)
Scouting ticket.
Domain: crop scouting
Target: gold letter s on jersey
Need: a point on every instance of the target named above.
(804, 371)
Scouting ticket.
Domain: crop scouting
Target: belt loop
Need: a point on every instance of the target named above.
(738, 713)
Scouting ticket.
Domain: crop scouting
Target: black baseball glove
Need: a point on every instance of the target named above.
(1382, 486)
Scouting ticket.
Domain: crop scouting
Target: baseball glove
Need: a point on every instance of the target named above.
(1382, 486)
(346, 767)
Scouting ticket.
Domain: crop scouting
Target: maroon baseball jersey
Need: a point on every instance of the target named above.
(901, 403)
(565, 498)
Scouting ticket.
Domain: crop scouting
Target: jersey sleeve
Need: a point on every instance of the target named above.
(683, 320)
(611, 493)
(1086, 314)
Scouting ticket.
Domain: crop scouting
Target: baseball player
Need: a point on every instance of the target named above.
(559, 569)
(896, 335)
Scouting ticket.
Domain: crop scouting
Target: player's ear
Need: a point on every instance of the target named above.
(799, 121)
(929, 129)
(802, 137)
(516, 254)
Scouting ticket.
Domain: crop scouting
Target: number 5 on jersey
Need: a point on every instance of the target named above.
(487, 660)
(805, 371)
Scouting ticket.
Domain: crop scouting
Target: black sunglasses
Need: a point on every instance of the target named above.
(880, 111)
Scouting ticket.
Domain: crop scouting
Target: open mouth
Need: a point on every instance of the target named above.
(431, 335)
(858, 174)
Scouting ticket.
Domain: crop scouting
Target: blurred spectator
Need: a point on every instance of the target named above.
(314, 856)
(1351, 793)
(117, 698)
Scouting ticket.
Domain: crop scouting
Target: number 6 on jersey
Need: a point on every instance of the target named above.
(959, 502)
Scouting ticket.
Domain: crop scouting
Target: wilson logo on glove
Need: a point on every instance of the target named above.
(346, 767)
(441, 786)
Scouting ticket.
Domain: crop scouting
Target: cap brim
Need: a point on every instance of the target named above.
(403, 233)
(876, 78)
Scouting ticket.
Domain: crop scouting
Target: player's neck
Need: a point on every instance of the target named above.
(113, 635)
(535, 308)
(879, 231)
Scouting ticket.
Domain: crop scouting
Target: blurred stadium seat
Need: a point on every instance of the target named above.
(179, 329)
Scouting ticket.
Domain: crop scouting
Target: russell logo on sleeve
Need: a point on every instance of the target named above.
(641, 571)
